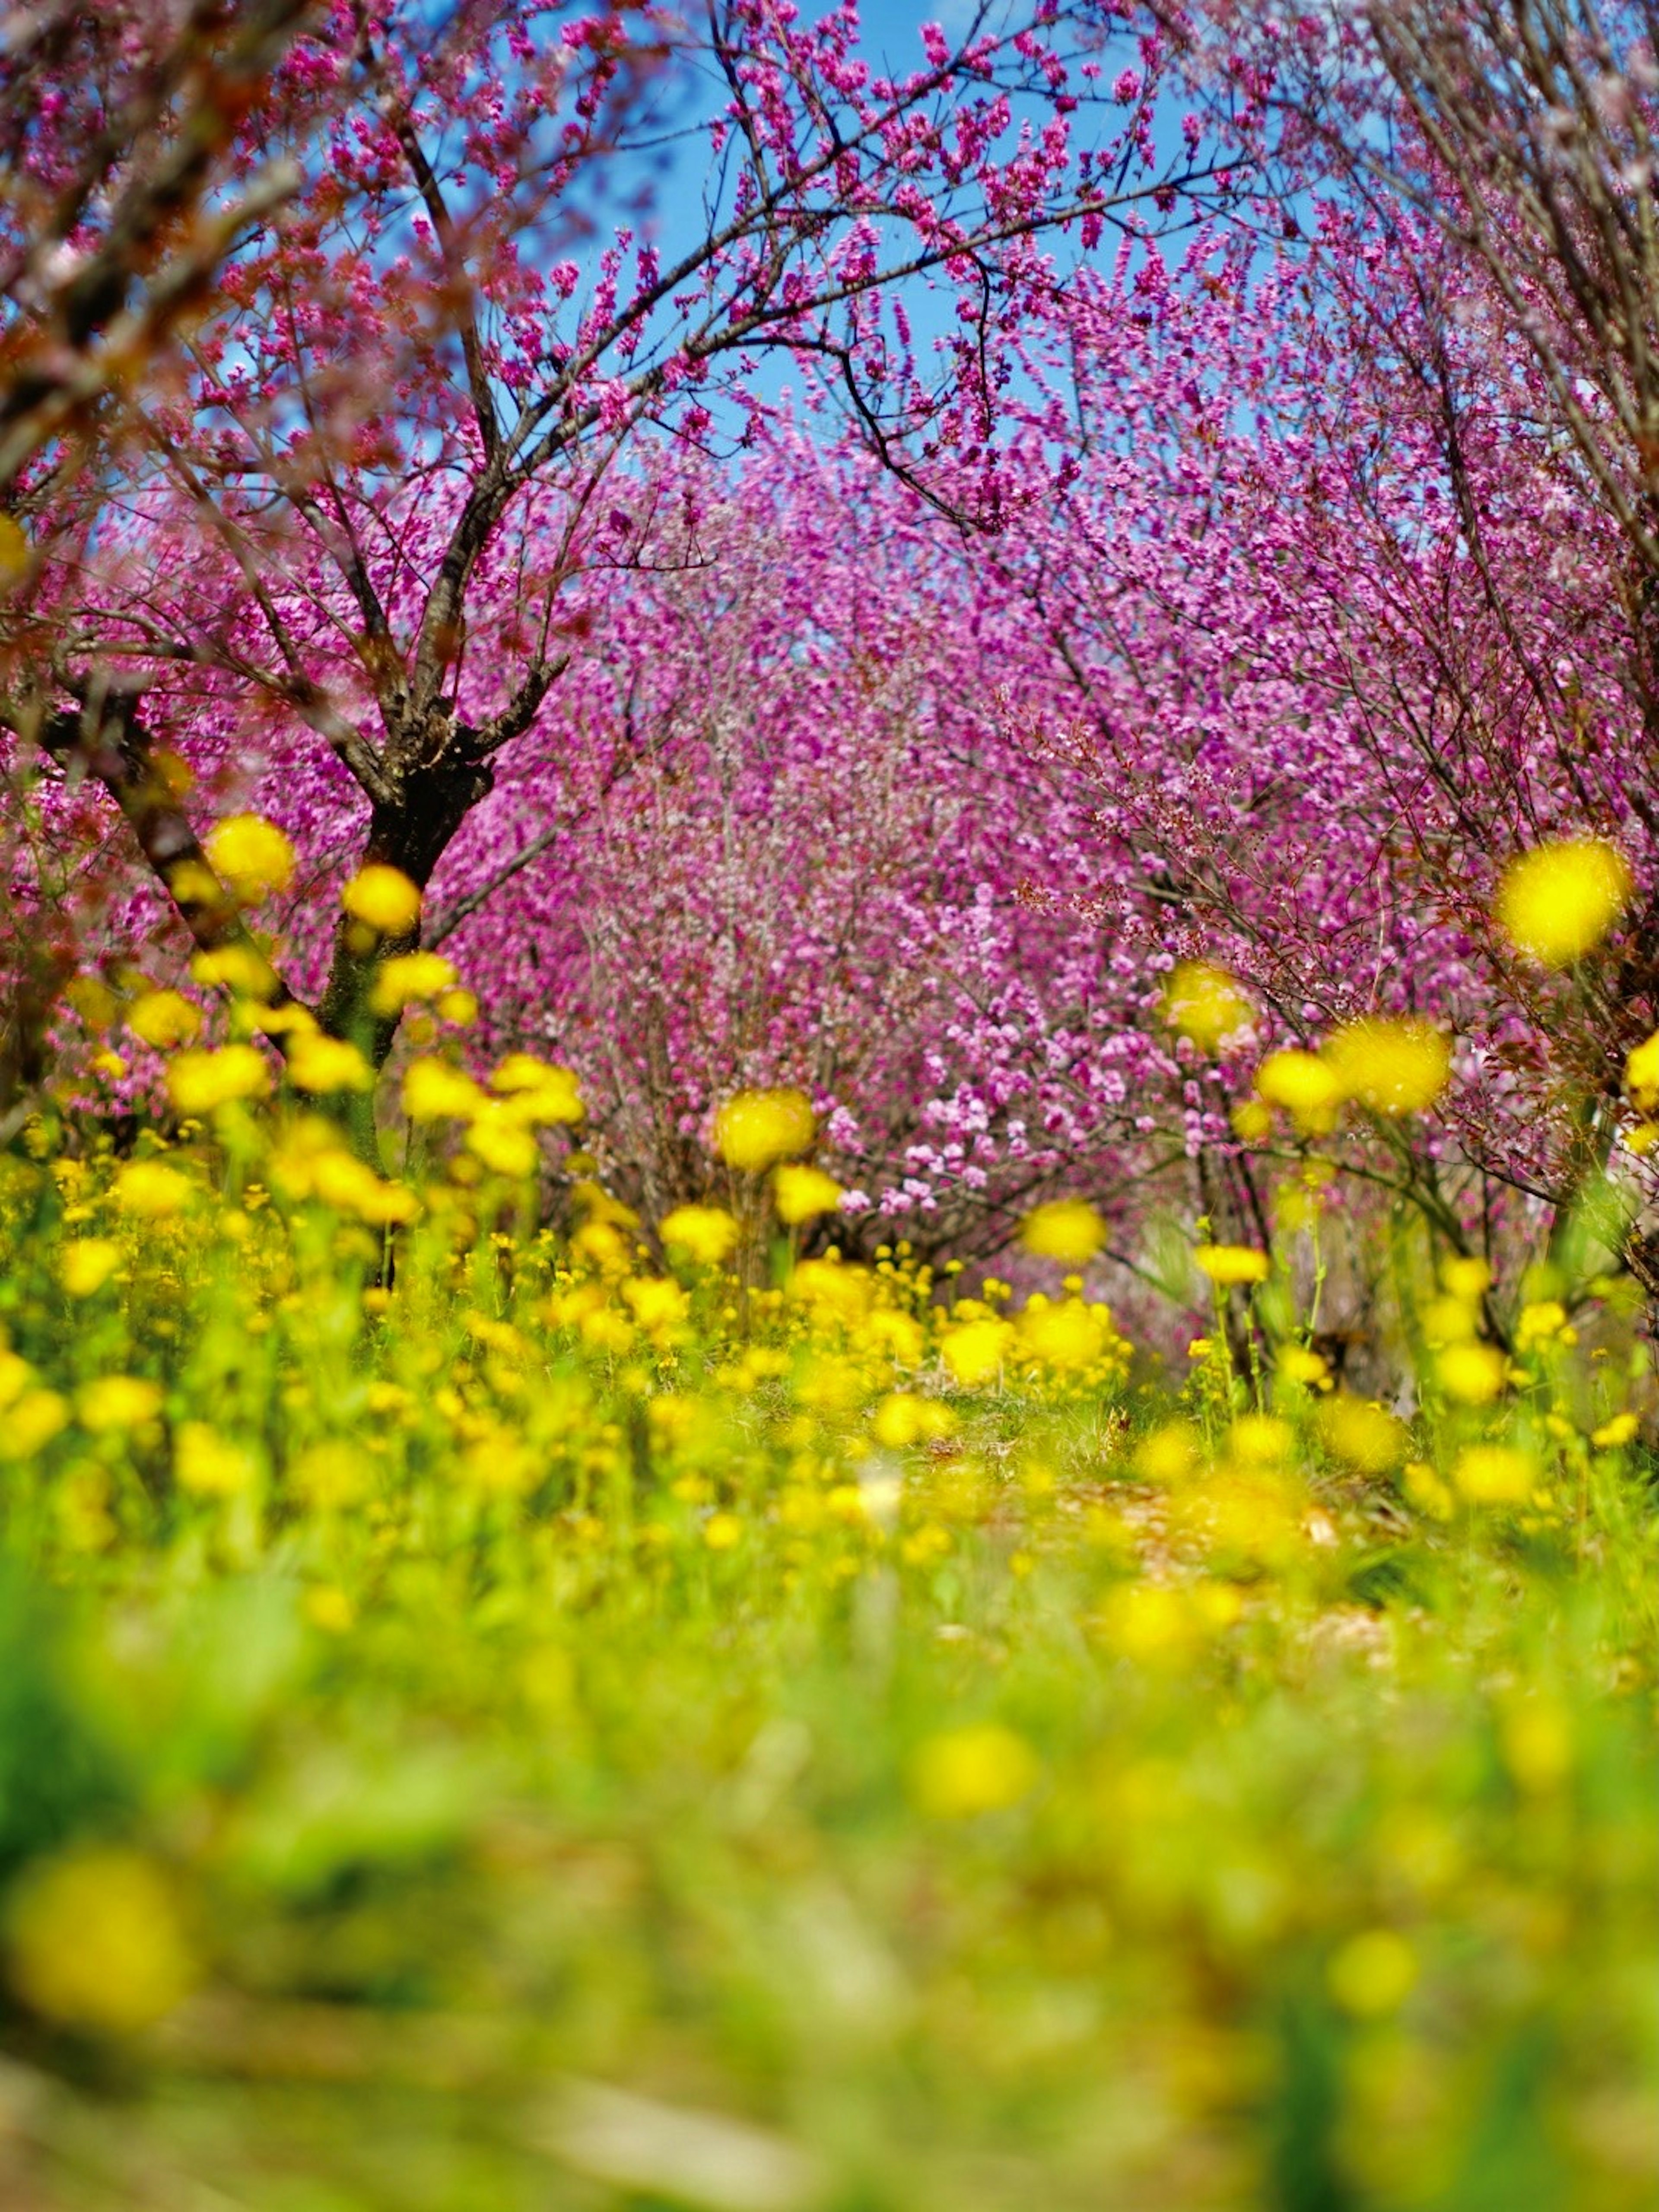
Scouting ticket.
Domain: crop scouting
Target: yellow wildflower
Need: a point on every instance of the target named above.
(318, 1064)
(756, 1128)
(435, 1090)
(199, 1081)
(114, 1402)
(802, 1192)
(1067, 1229)
(1305, 1086)
(707, 1233)
(1394, 1066)
(1559, 901)
(83, 1268)
(1204, 1003)
(384, 899)
(1373, 1973)
(251, 857)
(1229, 1264)
(209, 1465)
(1613, 1435)
(164, 1019)
(967, 1771)
(410, 975)
(94, 1942)
(1371, 1441)
(504, 1147)
(1472, 1373)
(1642, 1073)
(1495, 1474)
(974, 1350)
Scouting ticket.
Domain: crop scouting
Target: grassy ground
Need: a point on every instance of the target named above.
(572, 1729)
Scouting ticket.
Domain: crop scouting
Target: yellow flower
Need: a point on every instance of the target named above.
(1393, 1065)
(1558, 902)
(113, 1402)
(1229, 1264)
(1371, 1441)
(756, 1129)
(1613, 1435)
(539, 1091)
(1472, 1373)
(1495, 1474)
(317, 1063)
(85, 1267)
(801, 1193)
(1204, 1003)
(199, 1081)
(95, 1942)
(251, 857)
(722, 1531)
(384, 899)
(503, 1146)
(209, 1465)
(31, 1423)
(435, 1090)
(409, 976)
(1642, 1073)
(1373, 1973)
(1067, 1229)
(967, 1771)
(460, 1007)
(98, 1006)
(1305, 1086)
(164, 1019)
(351, 1186)
(235, 968)
(1065, 1336)
(331, 1475)
(1466, 1279)
(707, 1233)
(1541, 1319)
(974, 1350)
(1253, 1121)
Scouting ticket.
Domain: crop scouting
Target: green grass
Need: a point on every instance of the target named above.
(522, 1740)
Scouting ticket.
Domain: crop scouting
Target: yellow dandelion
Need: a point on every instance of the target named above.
(1227, 1265)
(1204, 1003)
(1393, 1065)
(95, 1942)
(383, 899)
(1302, 1085)
(707, 1234)
(964, 1772)
(251, 857)
(757, 1128)
(1559, 901)
(1068, 1229)
(800, 1194)
(164, 1019)
(198, 1082)
(409, 976)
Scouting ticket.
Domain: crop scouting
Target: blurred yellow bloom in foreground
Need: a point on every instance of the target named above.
(164, 1019)
(319, 1064)
(966, 1771)
(1067, 1229)
(1371, 1441)
(383, 898)
(434, 1091)
(84, 1267)
(802, 1192)
(1495, 1474)
(707, 1234)
(1229, 1264)
(1558, 902)
(757, 1128)
(96, 1943)
(1204, 1003)
(252, 858)
(974, 1351)
(209, 1465)
(1305, 1086)
(118, 1401)
(151, 1191)
(1373, 1973)
(1393, 1065)
(410, 975)
(199, 1081)
(1642, 1073)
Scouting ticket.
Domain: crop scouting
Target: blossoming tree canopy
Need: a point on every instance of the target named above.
(355, 510)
